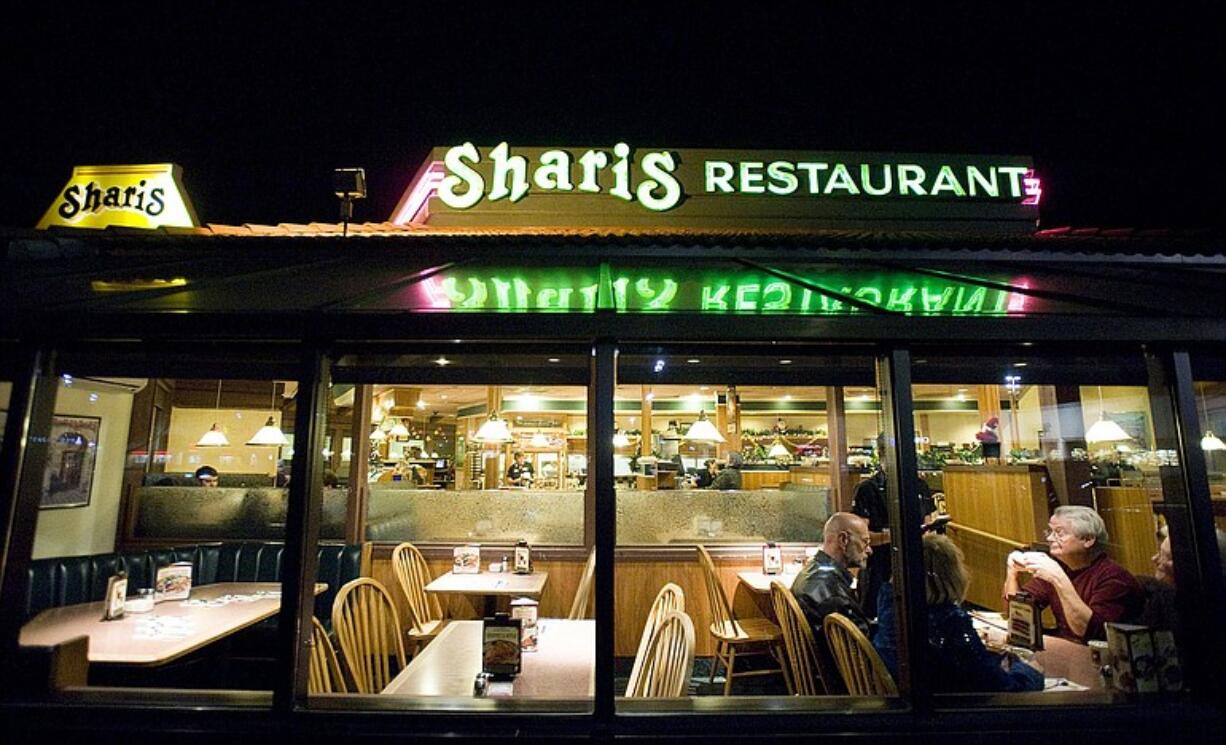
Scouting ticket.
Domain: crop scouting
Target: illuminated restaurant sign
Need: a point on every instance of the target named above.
(130, 196)
(620, 185)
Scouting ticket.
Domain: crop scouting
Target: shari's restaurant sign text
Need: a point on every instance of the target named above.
(132, 196)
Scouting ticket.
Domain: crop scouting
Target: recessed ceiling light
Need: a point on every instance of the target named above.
(554, 359)
(785, 362)
(442, 362)
(693, 360)
(788, 397)
(705, 388)
(443, 396)
(421, 403)
(1020, 364)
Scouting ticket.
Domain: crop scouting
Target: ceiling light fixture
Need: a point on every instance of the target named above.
(493, 430)
(1209, 441)
(1105, 430)
(702, 430)
(214, 438)
(270, 435)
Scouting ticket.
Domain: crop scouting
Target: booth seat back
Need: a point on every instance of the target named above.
(68, 580)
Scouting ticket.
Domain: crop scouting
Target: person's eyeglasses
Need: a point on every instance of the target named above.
(1058, 533)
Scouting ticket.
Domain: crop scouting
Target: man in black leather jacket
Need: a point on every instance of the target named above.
(824, 585)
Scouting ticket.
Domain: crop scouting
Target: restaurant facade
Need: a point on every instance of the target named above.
(328, 427)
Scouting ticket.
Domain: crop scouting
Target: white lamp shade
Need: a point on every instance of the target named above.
(1211, 442)
(269, 435)
(620, 440)
(378, 435)
(1106, 430)
(399, 430)
(703, 431)
(539, 440)
(777, 450)
(214, 438)
(493, 430)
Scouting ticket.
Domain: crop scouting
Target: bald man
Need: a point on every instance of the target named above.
(824, 585)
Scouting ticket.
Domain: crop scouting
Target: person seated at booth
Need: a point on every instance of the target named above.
(519, 473)
(707, 474)
(207, 476)
(957, 660)
(729, 479)
(1083, 588)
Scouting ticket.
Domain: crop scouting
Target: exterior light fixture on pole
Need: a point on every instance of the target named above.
(493, 430)
(270, 435)
(702, 430)
(214, 438)
(1105, 430)
(349, 185)
(1210, 441)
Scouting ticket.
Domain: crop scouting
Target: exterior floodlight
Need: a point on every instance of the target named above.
(349, 184)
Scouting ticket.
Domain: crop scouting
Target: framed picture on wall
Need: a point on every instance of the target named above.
(71, 454)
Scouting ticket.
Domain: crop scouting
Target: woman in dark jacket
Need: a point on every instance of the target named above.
(957, 660)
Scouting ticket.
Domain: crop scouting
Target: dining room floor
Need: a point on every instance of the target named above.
(700, 685)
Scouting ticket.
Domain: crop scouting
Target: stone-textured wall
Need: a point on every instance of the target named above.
(427, 515)
(698, 516)
(224, 513)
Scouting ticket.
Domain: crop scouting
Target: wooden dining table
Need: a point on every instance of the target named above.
(173, 628)
(562, 667)
(1061, 659)
(490, 586)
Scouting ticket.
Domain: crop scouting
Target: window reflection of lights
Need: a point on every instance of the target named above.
(659, 366)
(442, 362)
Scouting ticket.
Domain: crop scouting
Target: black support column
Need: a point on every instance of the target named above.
(1189, 514)
(22, 458)
(902, 470)
(300, 566)
(600, 474)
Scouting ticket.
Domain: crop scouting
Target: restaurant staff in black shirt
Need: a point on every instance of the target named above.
(519, 473)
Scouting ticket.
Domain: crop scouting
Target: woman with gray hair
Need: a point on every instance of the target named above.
(1083, 588)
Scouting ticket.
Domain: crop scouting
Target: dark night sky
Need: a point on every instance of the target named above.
(1117, 109)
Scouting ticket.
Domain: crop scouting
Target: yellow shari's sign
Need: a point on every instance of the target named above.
(132, 196)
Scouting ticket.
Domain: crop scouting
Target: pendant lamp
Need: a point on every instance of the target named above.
(378, 435)
(270, 435)
(493, 430)
(1210, 441)
(214, 438)
(620, 440)
(1105, 430)
(539, 440)
(703, 431)
(778, 450)
(399, 430)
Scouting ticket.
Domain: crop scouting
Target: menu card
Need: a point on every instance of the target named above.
(1025, 626)
(174, 582)
(772, 559)
(526, 610)
(501, 655)
(116, 594)
(523, 558)
(466, 559)
(1132, 652)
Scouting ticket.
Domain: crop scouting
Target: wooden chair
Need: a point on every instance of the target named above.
(669, 659)
(324, 675)
(669, 598)
(733, 635)
(809, 676)
(582, 605)
(426, 616)
(859, 664)
(368, 630)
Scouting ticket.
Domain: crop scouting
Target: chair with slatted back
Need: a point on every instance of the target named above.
(809, 676)
(368, 630)
(324, 675)
(669, 598)
(668, 659)
(859, 664)
(426, 616)
(735, 636)
(582, 605)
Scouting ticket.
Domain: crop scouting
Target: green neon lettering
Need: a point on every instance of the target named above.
(619, 292)
(589, 294)
(973, 304)
(1015, 174)
(502, 293)
(869, 294)
(783, 296)
(751, 178)
(522, 293)
(782, 175)
(947, 181)
(935, 302)
(1001, 299)
(716, 300)
(658, 168)
(900, 299)
(456, 160)
(554, 171)
(976, 181)
(806, 296)
(812, 169)
(508, 167)
(621, 172)
(718, 176)
(910, 179)
(867, 182)
(660, 300)
(841, 179)
(743, 299)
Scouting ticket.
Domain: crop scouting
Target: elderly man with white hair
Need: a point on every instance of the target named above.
(1083, 588)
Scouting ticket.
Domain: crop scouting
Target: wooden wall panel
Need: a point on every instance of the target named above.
(985, 556)
(1131, 525)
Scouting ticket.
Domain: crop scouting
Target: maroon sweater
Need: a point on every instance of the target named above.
(1111, 592)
